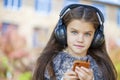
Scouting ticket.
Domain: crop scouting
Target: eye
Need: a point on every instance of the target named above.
(74, 32)
(87, 34)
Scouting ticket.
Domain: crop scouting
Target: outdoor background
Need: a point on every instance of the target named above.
(26, 25)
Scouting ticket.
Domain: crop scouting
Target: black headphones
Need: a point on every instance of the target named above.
(60, 30)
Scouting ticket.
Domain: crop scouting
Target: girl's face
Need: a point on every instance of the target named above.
(79, 37)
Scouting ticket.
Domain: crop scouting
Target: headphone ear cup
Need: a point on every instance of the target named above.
(98, 39)
(60, 33)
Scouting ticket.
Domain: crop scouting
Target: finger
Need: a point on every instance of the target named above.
(80, 76)
(80, 73)
(70, 77)
(83, 74)
(70, 73)
(78, 70)
(88, 71)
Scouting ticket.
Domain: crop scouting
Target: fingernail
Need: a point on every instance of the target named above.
(82, 67)
(77, 67)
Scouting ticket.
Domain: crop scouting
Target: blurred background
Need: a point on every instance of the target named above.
(26, 25)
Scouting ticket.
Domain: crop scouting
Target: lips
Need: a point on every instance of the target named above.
(79, 46)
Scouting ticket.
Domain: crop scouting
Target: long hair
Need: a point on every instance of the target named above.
(53, 47)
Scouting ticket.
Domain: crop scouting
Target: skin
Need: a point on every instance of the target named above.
(79, 37)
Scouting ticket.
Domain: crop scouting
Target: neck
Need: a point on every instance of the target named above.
(77, 55)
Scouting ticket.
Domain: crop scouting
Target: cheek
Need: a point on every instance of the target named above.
(70, 39)
(89, 41)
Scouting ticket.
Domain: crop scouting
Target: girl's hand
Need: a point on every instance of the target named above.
(84, 73)
(70, 75)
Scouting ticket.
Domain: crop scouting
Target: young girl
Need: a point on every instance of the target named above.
(78, 35)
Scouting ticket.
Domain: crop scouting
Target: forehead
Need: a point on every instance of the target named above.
(81, 25)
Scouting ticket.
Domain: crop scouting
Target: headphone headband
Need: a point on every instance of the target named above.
(71, 6)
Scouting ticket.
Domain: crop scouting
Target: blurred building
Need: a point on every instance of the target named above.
(43, 14)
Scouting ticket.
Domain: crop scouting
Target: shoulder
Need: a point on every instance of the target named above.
(58, 58)
(62, 58)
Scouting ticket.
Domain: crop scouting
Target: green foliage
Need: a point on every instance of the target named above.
(117, 65)
(115, 56)
(4, 68)
(25, 76)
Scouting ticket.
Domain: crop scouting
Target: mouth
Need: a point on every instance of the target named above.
(79, 46)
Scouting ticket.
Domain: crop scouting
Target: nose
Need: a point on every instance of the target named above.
(80, 38)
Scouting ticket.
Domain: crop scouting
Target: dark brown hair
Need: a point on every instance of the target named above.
(53, 47)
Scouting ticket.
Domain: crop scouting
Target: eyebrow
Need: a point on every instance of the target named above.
(90, 31)
(73, 29)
